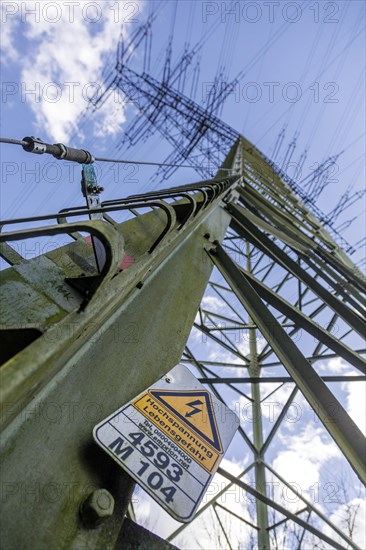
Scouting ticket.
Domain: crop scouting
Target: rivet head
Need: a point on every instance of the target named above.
(97, 507)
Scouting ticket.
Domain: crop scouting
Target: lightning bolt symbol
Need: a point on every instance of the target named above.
(193, 405)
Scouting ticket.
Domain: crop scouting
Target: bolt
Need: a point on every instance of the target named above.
(167, 379)
(97, 507)
(206, 236)
(95, 189)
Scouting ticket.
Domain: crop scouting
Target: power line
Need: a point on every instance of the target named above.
(100, 159)
(26, 143)
(13, 141)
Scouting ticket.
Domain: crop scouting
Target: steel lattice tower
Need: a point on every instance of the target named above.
(247, 224)
(276, 222)
(80, 339)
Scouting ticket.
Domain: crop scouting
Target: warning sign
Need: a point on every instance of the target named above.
(170, 439)
(195, 409)
(188, 419)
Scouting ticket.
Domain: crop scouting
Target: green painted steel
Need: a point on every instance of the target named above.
(81, 343)
(95, 353)
(254, 369)
(339, 424)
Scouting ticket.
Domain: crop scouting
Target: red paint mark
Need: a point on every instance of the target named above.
(126, 262)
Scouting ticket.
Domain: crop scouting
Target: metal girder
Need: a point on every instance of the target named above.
(248, 231)
(216, 379)
(134, 537)
(336, 420)
(289, 515)
(313, 358)
(297, 237)
(279, 420)
(240, 429)
(306, 323)
(92, 359)
(340, 286)
(83, 370)
(273, 379)
(203, 508)
(10, 255)
(311, 506)
(207, 332)
(222, 527)
(254, 369)
(284, 192)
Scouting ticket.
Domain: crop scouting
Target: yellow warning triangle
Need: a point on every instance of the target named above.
(195, 409)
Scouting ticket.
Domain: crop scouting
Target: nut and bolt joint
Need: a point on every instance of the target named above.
(96, 508)
(95, 189)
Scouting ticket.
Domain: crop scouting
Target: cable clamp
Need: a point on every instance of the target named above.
(34, 145)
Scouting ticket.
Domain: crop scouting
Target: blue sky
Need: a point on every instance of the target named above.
(311, 79)
(301, 65)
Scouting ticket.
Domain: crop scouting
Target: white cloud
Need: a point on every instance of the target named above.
(272, 406)
(8, 50)
(356, 403)
(355, 399)
(65, 62)
(221, 355)
(336, 365)
(152, 516)
(304, 455)
(212, 303)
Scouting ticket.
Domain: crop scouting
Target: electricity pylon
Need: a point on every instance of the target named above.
(85, 336)
(280, 268)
